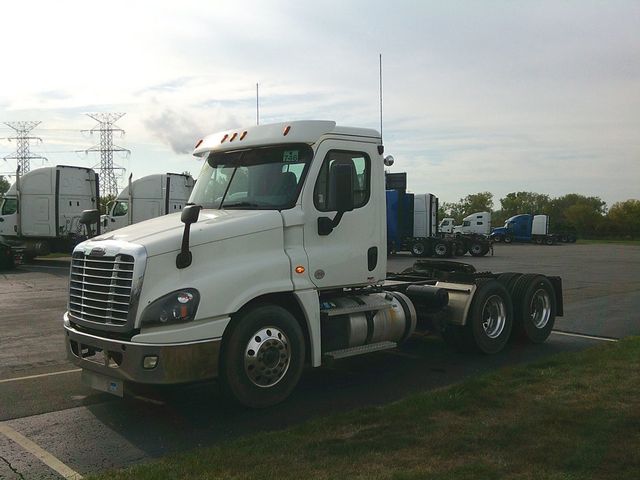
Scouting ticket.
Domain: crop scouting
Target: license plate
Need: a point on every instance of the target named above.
(103, 383)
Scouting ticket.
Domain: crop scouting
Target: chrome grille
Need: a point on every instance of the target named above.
(100, 288)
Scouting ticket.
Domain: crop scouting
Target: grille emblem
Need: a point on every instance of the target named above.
(98, 252)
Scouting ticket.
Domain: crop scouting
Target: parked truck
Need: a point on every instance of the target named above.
(279, 261)
(147, 198)
(412, 225)
(472, 236)
(40, 212)
(478, 223)
(529, 228)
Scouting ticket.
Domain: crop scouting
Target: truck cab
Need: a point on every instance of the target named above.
(278, 261)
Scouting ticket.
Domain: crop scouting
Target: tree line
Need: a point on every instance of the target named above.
(588, 217)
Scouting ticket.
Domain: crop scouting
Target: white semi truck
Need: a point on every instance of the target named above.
(478, 223)
(148, 197)
(278, 262)
(40, 212)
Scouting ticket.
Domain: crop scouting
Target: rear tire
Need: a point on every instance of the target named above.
(418, 249)
(535, 305)
(262, 356)
(441, 249)
(508, 239)
(490, 317)
(477, 249)
(549, 241)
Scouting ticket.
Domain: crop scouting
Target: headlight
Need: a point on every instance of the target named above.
(176, 307)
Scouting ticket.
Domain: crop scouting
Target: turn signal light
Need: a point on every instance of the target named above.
(299, 269)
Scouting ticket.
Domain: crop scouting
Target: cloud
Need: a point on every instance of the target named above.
(181, 128)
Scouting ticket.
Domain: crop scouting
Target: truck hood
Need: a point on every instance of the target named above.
(164, 234)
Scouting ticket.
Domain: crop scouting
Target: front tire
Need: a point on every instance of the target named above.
(508, 239)
(418, 249)
(262, 356)
(477, 249)
(442, 250)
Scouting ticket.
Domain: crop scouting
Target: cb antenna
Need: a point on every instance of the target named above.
(257, 105)
(380, 98)
(388, 160)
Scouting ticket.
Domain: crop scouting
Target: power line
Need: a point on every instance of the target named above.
(23, 155)
(106, 148)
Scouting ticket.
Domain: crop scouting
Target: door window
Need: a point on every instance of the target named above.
(9, 206)
(361, 165)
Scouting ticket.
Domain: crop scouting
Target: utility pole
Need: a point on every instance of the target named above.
(23, 155)
(108, 181)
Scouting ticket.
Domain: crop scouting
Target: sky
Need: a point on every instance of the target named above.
(496, 96)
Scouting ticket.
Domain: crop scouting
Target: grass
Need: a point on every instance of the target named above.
(571, 416)
(585, 241)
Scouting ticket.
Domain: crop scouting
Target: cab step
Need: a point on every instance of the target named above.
(353, 351)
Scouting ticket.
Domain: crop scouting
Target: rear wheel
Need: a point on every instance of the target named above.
(262, 356)
(490, 317)
(549, 240)
(538, 240)
(477, 249)
(442, 249)
(508, 239)
(534, 302)
(417, 249)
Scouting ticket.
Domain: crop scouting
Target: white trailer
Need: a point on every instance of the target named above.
(147, 198)
(279, 263)
(41, 210)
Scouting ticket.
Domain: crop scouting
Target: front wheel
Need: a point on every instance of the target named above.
(508, 239)
(262, 356)
(477, 249)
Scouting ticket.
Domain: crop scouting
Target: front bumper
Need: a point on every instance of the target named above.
(176, 363)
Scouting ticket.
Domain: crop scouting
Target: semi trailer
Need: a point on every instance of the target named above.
(40, 212)
(148, 197)
(529, 228)
(278, 262)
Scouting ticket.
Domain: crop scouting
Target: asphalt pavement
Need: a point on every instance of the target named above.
(48, 416)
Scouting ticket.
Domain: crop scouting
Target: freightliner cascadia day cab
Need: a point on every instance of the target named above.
(40, 212)
(278, 262)
(529, 228)
(148, 197)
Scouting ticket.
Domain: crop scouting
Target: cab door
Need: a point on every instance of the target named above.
(9, 216)
(351, 254)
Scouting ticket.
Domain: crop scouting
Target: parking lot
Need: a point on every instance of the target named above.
(43, 401)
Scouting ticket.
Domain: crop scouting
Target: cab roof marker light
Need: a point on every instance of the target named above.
(226, 135)
(286, 130)
(199, 143)
(233, 137)
(244, 134)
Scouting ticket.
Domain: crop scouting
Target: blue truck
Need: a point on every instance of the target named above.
(529, 228)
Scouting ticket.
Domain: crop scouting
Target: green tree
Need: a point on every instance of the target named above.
(524, 202)
(4, 185)
(625, 218)
(475, 202)
(579, 212)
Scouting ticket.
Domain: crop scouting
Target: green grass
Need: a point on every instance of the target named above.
(585, 241)
(571, 416)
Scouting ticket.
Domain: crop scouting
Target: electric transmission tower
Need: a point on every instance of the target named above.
(106, 148)
(23, 155)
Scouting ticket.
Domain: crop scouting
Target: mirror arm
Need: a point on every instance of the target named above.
(184, 258)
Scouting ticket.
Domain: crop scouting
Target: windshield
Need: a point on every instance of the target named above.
(268, 178)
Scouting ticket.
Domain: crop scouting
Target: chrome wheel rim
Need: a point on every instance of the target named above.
(540, 308)
(267, 357)
(475, 248)
(418, 249)
(494, 316)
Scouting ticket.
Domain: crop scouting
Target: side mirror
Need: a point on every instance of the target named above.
(188, 216)
(340, 194)
(341, 187)
(88, 218)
